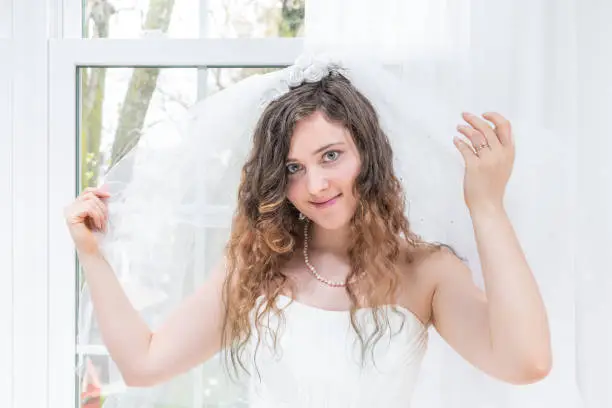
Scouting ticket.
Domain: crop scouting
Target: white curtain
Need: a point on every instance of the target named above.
(545, 65)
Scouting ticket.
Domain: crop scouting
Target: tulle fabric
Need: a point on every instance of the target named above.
(165, 199)
(530, 64)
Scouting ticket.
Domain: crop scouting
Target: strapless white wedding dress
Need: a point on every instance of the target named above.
(317, 362)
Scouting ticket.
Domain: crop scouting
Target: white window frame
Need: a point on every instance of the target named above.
(27, 191)
(6, 203)
(70, 13)
(6, 222)
(66, 56)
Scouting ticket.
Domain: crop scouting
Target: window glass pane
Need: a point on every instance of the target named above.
(118, 105)
(118, 108)
(193, 18)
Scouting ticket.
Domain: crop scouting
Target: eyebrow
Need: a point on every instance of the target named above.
(319, 150)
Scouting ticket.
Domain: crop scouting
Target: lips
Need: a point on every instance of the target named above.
(326, 203)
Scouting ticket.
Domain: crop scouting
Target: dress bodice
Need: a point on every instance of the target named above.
(318, 363)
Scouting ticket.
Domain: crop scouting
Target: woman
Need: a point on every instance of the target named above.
(323, 269)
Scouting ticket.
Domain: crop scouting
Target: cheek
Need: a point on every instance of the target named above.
(293, 192)
(350, 173)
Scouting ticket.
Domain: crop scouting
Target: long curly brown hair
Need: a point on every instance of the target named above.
(266, 230)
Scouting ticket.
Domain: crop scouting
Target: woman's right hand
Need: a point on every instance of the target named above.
(88, 213)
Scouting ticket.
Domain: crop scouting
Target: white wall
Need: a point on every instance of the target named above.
(23, 200)
(6, 227)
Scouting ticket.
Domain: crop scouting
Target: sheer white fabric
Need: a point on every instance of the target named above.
(544, 65)
(462, 56)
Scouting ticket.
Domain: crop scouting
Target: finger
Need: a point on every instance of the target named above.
(465, 150)
(93, 198)
(96, 191)
(93, 212)
(478, 140)
(503, 128)
(98, 216)
(99, 205)
(86, 195)
(103, 209)
(483, 127)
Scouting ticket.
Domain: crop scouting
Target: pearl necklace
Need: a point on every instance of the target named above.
(334, 284)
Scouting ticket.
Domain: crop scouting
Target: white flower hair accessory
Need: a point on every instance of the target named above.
(307, 68)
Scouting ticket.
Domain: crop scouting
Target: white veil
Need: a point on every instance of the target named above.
(480, 56)
(167, 201)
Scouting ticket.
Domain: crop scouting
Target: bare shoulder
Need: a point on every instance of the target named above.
(439, 265)
(431, 262)
(423, 268)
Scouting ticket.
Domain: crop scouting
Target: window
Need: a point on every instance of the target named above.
(134, 85)
(113, 118)
(193, 18)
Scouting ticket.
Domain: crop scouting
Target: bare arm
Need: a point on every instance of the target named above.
(189, 336)
(504, 331)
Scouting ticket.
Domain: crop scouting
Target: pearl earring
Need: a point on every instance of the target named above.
(301, 217)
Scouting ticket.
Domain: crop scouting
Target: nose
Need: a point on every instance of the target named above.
(316, 181)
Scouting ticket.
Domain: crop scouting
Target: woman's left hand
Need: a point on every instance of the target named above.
(489, 159)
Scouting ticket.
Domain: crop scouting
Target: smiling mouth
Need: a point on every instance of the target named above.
(326, 203)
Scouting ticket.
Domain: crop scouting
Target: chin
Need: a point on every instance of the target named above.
(332, 223)
(330, 226)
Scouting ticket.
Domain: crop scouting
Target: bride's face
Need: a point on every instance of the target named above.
(322, 165)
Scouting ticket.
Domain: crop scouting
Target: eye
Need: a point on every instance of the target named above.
(293, 168)
(332, 155)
